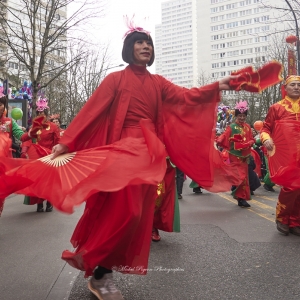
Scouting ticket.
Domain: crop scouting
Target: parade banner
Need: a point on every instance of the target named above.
(291, 62)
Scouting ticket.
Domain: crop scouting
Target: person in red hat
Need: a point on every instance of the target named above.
(287, 109)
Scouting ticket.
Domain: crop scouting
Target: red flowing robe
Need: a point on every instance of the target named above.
(115, 229)
(5, 146)
(288, 205)
(242, 191)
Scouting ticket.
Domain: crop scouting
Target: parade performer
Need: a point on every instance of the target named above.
(285, 111)
(56, 120)
(43, 139)
(8, 129)
(238, 139)
(134, 120)
(124, 219)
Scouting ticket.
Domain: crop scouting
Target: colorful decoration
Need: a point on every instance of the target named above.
(224, 117)
(132, 27)
(17, 113)
(258, 125)
(42, 104)
(291, 39)
(241, 106)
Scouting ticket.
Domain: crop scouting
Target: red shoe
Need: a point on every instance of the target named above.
(155, 235)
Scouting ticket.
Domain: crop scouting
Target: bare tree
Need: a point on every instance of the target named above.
(204, 78)
(39, 34)
(69, 92)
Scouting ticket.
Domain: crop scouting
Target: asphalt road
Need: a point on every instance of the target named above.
(222, 252)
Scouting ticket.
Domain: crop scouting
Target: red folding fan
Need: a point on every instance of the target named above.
(71, 178)
(36, 151)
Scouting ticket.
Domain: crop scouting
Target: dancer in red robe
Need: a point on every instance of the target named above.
(288, 109)
(43, 141)
(238, 139)
(8, 128)
(115, 229)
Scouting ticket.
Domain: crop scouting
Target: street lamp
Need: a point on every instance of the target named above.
(120, 65)
(297, 35)
(102, 71)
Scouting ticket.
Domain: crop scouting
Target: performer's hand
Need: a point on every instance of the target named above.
(269, 144)
(59, 149)
(23, 155)
(224, 82)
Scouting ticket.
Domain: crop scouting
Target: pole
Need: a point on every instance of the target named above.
(297, 35)
(121, 65)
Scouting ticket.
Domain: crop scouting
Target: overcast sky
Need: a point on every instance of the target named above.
(113, 26)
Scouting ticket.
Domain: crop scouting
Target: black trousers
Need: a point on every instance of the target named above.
(179, 180)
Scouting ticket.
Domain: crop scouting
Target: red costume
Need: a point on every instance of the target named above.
(8, 127)
(288, 205)
(115, 228)
(238, 139)
(39, 147)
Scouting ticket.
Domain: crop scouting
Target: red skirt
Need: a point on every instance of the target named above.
(5, 151)
(115, 229)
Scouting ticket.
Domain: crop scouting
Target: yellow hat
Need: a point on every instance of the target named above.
(291, 78)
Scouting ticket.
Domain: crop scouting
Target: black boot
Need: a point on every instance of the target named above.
(49, 207)
(243, 203)
(197, 190)
(40, 207)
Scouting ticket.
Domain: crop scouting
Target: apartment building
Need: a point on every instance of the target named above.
(19, 28)
(212, 38)
(175, 40)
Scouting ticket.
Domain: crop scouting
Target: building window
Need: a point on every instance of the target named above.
(13, 65)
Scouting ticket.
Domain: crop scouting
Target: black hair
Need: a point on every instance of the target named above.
(127, 51)
(237, 112)
(3, 100)
(45, 111)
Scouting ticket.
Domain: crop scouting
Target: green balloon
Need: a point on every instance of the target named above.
(17, 113)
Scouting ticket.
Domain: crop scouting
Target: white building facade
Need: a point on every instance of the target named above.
(212, 38)
(176, 36)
